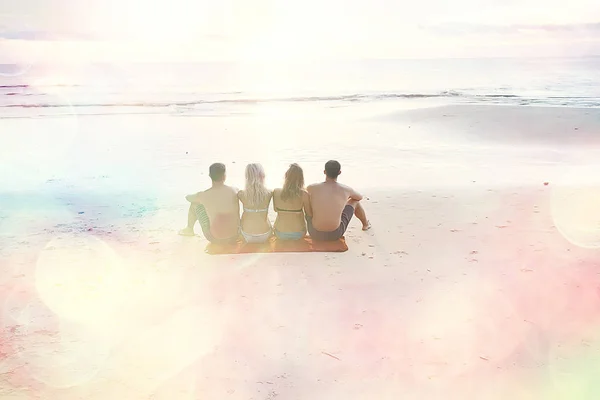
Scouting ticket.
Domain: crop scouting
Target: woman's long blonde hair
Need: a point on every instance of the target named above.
(255, 192)
(293, 183)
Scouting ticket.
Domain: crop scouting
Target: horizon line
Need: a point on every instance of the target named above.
(311, 60)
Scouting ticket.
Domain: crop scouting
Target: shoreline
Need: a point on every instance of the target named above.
(408, 104)
(421, 147)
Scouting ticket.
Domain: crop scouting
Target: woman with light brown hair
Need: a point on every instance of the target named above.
(291, 203)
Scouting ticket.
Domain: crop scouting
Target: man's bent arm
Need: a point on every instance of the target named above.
(306, 204)
(194, 198)
(354, 195)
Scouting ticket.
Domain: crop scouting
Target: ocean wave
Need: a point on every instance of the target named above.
(247, 100)
(358, 97)
(51, 85)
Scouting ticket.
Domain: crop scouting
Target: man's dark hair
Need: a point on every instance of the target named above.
(217, 172)
(332, 169)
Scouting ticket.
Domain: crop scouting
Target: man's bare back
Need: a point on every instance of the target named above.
(222, 206)
(328, 200)
(217, 209)
(333, 205)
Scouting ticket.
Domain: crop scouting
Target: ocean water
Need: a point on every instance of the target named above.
(226, 88)
(274, 114)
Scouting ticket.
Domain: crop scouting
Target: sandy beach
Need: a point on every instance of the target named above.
(479, 279)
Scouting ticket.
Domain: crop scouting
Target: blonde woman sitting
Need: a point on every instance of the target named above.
(291, 204)
(255, 225)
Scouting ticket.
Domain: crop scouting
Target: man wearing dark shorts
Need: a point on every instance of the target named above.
(216, 209)
(333, 206)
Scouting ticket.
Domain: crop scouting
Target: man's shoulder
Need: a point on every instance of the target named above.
(222, 190)
(231, 189)
(314, 186)
(336, 186)
(345, 187)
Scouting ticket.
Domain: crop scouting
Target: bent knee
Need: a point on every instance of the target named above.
(353, 203)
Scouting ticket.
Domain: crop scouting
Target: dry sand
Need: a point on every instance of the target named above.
(469, 289)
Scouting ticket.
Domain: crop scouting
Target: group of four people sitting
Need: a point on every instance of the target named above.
(324, 210)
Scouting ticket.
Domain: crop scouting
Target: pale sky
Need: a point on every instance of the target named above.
(264, 30)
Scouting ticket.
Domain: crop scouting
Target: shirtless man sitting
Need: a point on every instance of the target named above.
(333, 205)
(216, 209)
